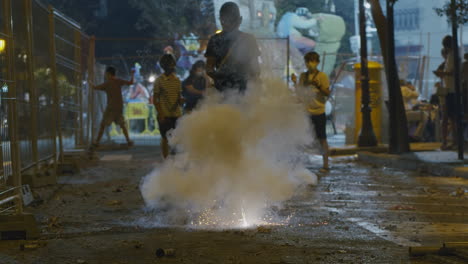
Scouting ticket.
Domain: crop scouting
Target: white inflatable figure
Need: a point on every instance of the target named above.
(329, 6)
(291, 23)
(137, 76)
(327, 31)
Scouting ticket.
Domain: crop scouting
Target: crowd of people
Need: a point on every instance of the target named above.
(231, 63)
(439, 115)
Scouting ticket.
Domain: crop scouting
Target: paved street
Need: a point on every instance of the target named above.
(356, 214)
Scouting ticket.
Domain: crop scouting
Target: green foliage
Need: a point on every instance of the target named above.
(461, 8)
(43, 80)
(165, 18)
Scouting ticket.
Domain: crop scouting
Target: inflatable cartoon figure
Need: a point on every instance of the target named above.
(330, 32)
(324, 33)
(290, 25)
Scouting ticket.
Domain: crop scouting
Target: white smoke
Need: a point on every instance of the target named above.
(236, 157)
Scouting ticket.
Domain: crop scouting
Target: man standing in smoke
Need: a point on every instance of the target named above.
(232, 55)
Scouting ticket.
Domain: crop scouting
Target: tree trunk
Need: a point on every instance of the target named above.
(399, 140)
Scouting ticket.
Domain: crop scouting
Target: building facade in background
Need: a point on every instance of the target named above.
(418, 36)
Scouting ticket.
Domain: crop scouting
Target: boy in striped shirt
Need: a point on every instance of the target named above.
(167, 99)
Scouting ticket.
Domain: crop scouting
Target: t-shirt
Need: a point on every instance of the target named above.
(448, 79)
(113, 89)
(167, 91)
(236, 54)
(199, 83)
(313, 83)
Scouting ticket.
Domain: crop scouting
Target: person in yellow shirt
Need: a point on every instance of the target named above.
(316, 84)
(167, 99)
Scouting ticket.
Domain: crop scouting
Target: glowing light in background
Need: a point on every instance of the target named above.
(4, 88)
(152, 78)
(218, 31)
(2, 45)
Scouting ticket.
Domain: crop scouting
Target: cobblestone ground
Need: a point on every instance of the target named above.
(356, 214)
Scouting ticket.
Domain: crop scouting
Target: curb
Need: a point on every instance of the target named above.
(355, 150)
(381, 148)
(396, 161)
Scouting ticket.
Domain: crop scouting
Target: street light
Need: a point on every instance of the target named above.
(366, 137)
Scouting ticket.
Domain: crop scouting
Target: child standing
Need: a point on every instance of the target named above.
(114, 108)
(318, 82)
(194, 86)
(167, 99)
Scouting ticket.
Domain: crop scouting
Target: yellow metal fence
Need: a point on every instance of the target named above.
(44, 66)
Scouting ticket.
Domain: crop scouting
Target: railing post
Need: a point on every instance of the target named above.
(323, 60)
(33, 101)
(12, 111)
(79, 95)
(91, 80)
(53, 70)
(288, 59)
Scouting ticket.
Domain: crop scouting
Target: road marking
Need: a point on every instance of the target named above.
(384, 234)
(354, 209)
(390, 203)
(125, 157)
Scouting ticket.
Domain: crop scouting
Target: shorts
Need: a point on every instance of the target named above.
(319, 122)
(451, 103)
(190, 105)
(167, 124)
(115, 116)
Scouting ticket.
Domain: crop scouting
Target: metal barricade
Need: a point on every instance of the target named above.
(43, 134)
(67, 61)
(10, 180)
(44, 65)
